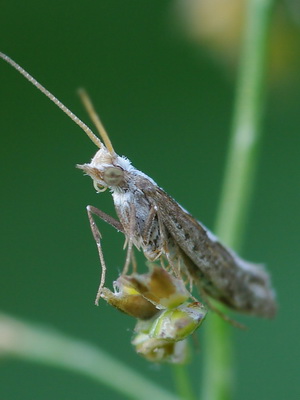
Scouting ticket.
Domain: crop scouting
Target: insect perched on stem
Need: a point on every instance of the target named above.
(152, 221)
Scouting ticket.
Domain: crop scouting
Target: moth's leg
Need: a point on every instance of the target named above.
(187, 267)
(222, 315)
(132, 256)
(129, 240)
(178, 261)
(97, 236)
(171, 250)
(133, 262)
(107, 218)
(190, 282)
(162, 263)
(148, 224)
(151, 235)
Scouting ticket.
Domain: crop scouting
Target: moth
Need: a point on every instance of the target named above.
(154, 222)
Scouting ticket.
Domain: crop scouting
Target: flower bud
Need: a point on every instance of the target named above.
(178, 323)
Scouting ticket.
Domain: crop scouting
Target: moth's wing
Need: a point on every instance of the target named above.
(238, 283)
(194, 239)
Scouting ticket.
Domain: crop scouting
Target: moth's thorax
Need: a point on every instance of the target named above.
(137, 204)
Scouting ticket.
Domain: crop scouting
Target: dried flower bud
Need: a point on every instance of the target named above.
(159, 287)
(161, 350)
(129, 301)
(165, 319)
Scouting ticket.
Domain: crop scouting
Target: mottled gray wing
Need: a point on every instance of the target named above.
(240, 284)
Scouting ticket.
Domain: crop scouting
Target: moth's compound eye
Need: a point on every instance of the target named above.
(113, 176)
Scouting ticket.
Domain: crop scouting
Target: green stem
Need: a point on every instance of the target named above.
(45, 346)
(183, 383)
(238, 185)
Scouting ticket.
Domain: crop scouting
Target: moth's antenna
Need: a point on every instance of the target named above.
(59, 104)
(96, 120)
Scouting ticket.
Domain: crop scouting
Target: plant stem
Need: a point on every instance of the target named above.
(183, 383)
(46, 346)
(238, 185)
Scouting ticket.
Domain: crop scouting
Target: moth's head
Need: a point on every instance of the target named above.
(104, 169)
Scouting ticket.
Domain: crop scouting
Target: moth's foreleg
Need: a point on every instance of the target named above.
(107, 218)
(97, 236)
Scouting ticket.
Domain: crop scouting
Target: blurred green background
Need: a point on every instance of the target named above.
(167, 103)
